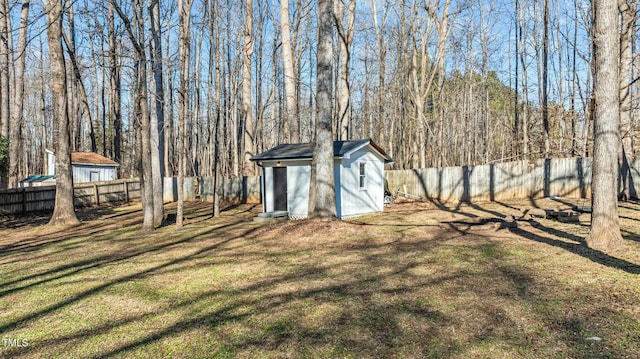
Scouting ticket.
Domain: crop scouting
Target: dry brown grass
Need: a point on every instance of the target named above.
(420, 280)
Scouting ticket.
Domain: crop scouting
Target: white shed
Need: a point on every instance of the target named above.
(86, 167)
(358, 172)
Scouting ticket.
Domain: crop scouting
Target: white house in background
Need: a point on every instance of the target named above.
(86, 166)
(358, 172)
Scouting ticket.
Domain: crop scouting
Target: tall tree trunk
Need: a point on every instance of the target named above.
(545, 95)
(525, 90)
(345, 38)
(157, 116)
(63, 213)
(516, 93)
(605, 228)
(169, 142)
(574, 75)
(293, 121)
(248, 132)
(115, 113)
(5, 68)
(16, 133)
(184, 24)
(214, 70)
(380, 27)
(137, 35)
(148, 207)
(627, 9)
(322, 179)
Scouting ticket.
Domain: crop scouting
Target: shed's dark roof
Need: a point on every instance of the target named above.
(305, 151)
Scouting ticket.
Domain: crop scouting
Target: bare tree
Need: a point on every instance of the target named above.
(380, 29)
(157, 115)
(136, 34)
(247, 111)
(184, 23)
(292, 115)
(627, 9)
(345, 39)
(545, 79)
(17, 122)
(78, 86)
(63, 213)
(115, 113)
(323, 203)
(5, 69)
(605, 228)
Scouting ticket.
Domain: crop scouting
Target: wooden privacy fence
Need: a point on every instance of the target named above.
(564, 177)
(35, 199)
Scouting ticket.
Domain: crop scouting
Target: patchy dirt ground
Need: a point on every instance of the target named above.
(419, 280)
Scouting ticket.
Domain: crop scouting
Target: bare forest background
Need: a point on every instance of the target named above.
(434, 82)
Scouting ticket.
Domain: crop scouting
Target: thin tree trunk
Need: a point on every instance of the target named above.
(248, 132)
(115, 113)
(157, 116)
(627, 9)
(545, 95)
(345, 38)
(184, 23)
(525, 91)
(16, 134)
(137, 36)
(79, 86)
(289, 75)
(63, 213)
(5, 85)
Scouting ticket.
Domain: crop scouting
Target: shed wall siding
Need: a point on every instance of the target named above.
(82, 173)
(354, 200)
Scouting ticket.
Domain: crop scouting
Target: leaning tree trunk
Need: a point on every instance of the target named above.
(63, 213)
(605, 229)
(324, 201)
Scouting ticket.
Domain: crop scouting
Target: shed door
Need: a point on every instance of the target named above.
(280, 188)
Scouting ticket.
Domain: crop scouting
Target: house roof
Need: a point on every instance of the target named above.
(38, 178)
(91, 158)
(341, 149)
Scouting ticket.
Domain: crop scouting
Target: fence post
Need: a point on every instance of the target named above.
(126, 190)
(24, 201)
(95, 190)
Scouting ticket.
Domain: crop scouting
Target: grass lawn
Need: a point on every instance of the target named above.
(419, 280)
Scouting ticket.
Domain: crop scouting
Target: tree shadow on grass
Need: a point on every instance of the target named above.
(562, 239)
(552, 236)
(374, 298)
